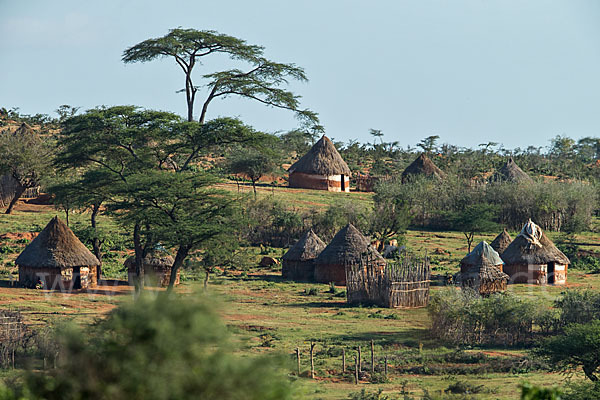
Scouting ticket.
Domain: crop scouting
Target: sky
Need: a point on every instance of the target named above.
(478, 71)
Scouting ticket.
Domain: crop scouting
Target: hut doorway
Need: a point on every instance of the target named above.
(343, 183)
(551, 273)
(76, 278)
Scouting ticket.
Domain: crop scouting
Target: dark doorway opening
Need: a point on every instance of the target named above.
(343, 183)
(550, 273)
(76, 277)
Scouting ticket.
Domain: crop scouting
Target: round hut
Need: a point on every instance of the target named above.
(56, 259)
(157, 269)
(299, 262)
(511, 172)
(321, 168)
(481, 270)
(533, 258)
(422, 166)
(501, 242)
(347, 248)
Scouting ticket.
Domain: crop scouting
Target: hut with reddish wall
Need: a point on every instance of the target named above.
(322, 168)
(157, 269)
(298, 263)
(533, 258)
(348, 247)
(56, 259)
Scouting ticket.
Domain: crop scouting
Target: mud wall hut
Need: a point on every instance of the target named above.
(56, 259)
(322, 168)
(533, 258)
(481, 270)
(157, 269)
(298, 263)
(347, 248)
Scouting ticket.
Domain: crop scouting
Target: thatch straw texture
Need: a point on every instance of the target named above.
(482, 253)
(532, 246)
(322, 159)
(422, 166)
(348, 247)
(56, 247)
(308, 247)
(511, 172)
(501, 242)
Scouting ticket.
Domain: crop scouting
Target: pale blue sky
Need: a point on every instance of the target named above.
(516, 72)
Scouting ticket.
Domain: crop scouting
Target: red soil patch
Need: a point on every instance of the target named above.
(18, 236)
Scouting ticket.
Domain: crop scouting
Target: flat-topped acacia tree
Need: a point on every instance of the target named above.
(261, 81)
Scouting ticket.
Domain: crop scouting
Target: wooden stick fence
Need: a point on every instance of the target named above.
(402, 283)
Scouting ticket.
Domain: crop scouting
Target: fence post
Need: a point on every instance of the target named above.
(359, 360)
(385, 366)
(372, 357)
(343, 360)
(312, 361)
(355, 370)
(298, 359)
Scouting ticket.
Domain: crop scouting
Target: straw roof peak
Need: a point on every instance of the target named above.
(422, 165)
(532, 246)
(348, 246)
(501, 242)
(308, 247)
(56, 247)
(322, 159)
(482, 254)
(511, 172)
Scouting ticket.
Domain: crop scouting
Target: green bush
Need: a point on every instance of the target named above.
(162, 348)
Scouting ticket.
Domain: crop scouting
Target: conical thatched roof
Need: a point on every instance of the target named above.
(482, 254)
(321, 159)
(422, 166)
(56, 246)
(348, 246)
(307, 248)
(532, 246)
(501, 242)
(510, 172)
(23, 129)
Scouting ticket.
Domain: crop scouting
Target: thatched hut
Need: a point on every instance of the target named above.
(56, 259)
(422, 166)
(348, 247)
(299, 261)
(481, 270)
(533, 258)
(511, 172)
(501, 242)
(157, 269)
(321, 168)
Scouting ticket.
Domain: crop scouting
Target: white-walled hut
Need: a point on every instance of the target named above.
(501, 242)
(481, 270)
(298, 263)
(322, 168)
(56, 259)
(347, 248)
(533, 258)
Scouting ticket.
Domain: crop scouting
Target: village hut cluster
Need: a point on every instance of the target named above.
(57, 260)
(350, 260)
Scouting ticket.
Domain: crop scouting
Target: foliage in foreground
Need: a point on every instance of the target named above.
(161, 348)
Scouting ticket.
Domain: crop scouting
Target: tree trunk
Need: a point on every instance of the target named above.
(254, 188)
(96, 244)
(16, 197)
(206, 277)
(139, 260)
(182, 253)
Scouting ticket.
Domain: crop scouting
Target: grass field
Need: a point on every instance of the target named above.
(268, 314)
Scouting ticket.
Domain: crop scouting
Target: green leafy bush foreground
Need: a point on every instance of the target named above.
(162, 348)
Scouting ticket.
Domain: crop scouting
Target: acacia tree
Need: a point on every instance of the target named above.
(253, 164)
(474, 219)
(26, 157)
(260, 82)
